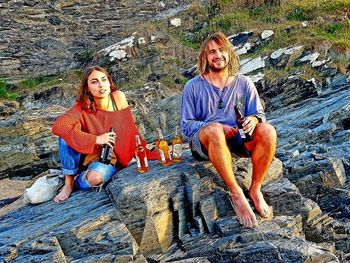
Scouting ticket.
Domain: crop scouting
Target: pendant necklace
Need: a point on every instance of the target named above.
(221, 103)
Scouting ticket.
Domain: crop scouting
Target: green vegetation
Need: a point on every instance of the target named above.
(307, 73)
(327, 31)
(4, 93)
(38, 82)
(85, 56)
(300, 14)
(326, 20)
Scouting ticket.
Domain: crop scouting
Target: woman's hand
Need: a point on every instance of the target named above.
(106, 138)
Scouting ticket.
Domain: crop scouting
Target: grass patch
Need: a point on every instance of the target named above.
(334, 31)
(39, 82)
(333, 6)
(307, 73)
(273, 74)
(189, 43)
(85, 56)
(300, 13)
(4, 93)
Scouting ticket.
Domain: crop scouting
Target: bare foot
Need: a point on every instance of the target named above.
(66, 190)
(259, 203)
(243, 210)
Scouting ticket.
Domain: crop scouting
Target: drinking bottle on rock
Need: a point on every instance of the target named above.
(177, 146)
(163, 150)
(141, 156)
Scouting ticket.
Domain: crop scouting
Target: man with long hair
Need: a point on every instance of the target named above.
(208, 118)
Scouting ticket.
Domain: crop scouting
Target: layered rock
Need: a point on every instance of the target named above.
(176, 213)
(47, 37)
(183, 213)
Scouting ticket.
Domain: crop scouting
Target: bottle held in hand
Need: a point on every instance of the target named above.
(106, 154)
(239, 120)
(163, 150)
(177, 146)
(141, 156)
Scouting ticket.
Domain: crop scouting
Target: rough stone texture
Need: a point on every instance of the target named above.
(79, 231)
(181, 213)
(48, 37)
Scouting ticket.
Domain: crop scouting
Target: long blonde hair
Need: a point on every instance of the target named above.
(220, 39)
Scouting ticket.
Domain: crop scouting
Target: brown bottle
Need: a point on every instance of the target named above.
(177, 146)
(106, 154)
(157, 146)
(141, 156)
(239, 120)
(163, 150)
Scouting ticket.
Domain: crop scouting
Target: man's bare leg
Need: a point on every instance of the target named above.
(263, 149)
(213, 138)
(66, 190)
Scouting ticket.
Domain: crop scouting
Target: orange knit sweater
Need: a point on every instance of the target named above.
(79, 128)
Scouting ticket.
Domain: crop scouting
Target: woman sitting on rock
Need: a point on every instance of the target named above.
(84, 129)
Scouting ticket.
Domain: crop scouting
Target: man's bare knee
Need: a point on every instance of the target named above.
(212, 132)
(94, 177)
(269, 133)
(265, 130)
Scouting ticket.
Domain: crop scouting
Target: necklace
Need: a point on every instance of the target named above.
(221, 103)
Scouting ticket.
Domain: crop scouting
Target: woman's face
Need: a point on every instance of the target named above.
(98, 84)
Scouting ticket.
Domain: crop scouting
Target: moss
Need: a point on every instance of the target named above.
(33, 83)
(5, 93)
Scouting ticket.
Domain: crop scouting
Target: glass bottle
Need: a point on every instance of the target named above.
(247, 137)
(163, 150)
(157, 145)
(106, 154)
(177, 146)
(141, 156)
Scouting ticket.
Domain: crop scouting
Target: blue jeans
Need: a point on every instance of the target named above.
(70, 160)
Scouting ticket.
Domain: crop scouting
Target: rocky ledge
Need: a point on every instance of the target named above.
(180, 213)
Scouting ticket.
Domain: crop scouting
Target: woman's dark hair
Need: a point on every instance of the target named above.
(84, 95)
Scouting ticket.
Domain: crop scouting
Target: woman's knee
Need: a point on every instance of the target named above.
(93, 177)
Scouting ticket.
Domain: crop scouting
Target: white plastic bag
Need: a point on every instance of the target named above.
(44, 188)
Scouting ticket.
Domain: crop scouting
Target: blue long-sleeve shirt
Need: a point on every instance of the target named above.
(200, 103)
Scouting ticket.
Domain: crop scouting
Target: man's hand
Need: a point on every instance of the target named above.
(250, 124)
(229, 131)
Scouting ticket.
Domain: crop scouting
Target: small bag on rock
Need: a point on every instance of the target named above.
(44, 188)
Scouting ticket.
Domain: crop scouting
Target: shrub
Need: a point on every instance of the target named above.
(300, 14)
(4, 93)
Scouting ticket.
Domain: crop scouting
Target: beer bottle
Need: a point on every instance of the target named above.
(141, 156)
(157, 145)
(163, 150)
(106, 154)
(177, 146)
(239, 120)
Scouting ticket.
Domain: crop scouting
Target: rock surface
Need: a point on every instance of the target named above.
(172, 213)
(180, 213)
(47, 37)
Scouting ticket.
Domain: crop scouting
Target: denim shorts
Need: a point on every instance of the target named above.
(71, 159)
(234, 144)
